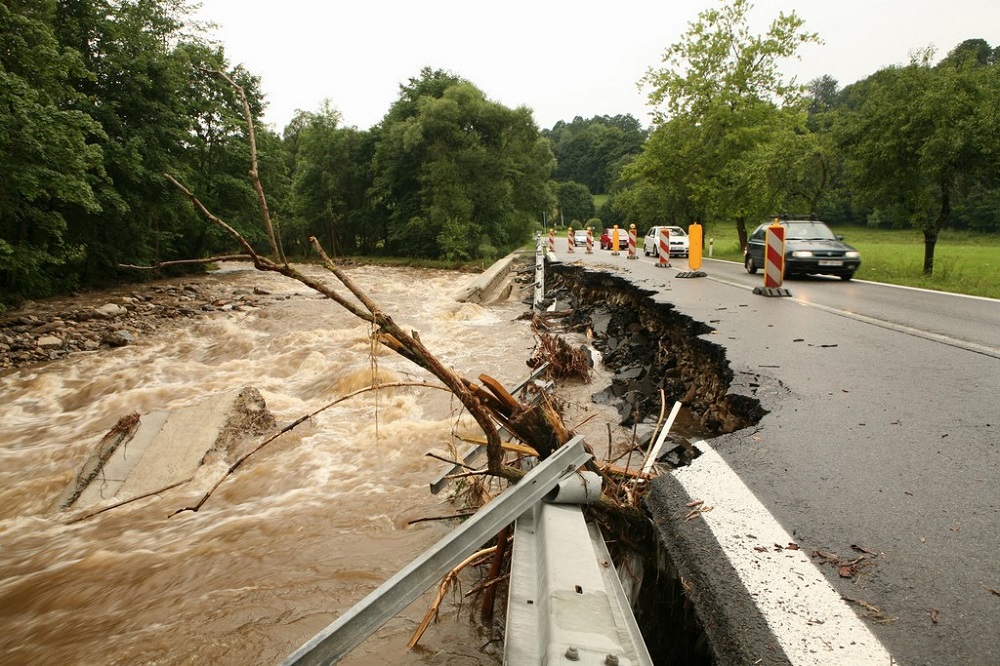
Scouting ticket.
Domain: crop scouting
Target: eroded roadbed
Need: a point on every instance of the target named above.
(877, 470)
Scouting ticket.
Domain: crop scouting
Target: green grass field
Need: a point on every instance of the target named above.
(964, 262)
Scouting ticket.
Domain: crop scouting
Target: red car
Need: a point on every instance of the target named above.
(622, 239)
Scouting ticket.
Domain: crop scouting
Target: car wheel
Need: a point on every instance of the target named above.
(750, 266)
(846, 276)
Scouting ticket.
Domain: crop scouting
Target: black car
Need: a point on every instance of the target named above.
(811, 248)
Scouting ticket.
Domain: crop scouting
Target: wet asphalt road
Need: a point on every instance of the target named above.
(882, 441)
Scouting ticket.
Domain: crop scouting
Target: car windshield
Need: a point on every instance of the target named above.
(677, 231)
(809, 231)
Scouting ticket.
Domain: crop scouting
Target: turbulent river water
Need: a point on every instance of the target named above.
(299, 534)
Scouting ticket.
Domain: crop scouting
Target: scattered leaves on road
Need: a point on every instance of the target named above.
(874, 612)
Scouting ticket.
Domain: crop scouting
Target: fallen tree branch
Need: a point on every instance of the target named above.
(188, 262)
(443, 588)
(254, 173)
(128, 501)
(454, 516)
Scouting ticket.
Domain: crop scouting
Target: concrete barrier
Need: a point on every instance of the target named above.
(144, 454)
(492, 284)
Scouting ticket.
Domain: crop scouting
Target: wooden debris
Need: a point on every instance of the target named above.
(443, 588)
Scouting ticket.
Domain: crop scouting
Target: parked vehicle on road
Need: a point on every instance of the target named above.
(579, 237)
(622, 239)
(679, 242)
(811, 248)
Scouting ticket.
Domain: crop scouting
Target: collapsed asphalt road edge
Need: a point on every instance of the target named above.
(759, 598)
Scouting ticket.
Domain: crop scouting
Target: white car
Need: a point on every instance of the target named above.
(679, 242)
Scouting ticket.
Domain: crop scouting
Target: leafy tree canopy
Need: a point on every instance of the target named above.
(718, 99)
(593, 151)
(576, 204)
(456, 175)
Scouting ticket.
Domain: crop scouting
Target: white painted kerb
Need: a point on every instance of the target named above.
(809, 619)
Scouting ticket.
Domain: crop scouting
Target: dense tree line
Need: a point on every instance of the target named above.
(734, 142)
(100, 98)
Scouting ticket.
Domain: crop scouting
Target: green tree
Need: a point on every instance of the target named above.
(46, 152)
(152, 87)
(722, 83)
(331, 181)
(593, 151)
(458, 176)
(576, 204)
(917, 138)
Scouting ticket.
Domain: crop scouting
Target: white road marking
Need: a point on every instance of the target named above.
(809, 619)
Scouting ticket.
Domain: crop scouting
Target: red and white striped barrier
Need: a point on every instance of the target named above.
(552, 241)
(664, 249)
(631, 242)
(570, 240)
(590, 241)
(774, 257)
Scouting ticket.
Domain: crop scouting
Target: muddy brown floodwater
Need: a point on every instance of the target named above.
(303, 531)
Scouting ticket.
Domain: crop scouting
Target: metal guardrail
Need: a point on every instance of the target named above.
(358, 623)
(566, 602)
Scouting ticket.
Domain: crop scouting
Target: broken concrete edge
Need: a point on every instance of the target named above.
(703, 378)
(122, 433)
(164, 449)
(733, 625)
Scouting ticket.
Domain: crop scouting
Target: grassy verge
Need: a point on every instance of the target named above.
(964, 262)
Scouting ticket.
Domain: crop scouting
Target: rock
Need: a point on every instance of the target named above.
(51, 326)
(109, 310)
(119, 338)
(49, 342)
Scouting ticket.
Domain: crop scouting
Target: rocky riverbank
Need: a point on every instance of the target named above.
(43, 331)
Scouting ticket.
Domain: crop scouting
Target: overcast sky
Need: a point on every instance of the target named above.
(560, 58)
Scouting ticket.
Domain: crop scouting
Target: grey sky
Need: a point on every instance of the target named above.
(560, 58)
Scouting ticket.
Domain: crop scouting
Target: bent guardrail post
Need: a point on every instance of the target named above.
(355, 625)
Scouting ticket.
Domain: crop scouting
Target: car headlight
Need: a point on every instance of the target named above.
(852, 254)
(802, 254)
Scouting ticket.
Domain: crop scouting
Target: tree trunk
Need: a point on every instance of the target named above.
(930, 240)
(741, 230)
(931, 233)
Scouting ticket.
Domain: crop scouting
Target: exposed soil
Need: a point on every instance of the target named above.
(653, 348)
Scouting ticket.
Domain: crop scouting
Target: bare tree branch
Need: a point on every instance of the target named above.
(188, 262)
(278, 255)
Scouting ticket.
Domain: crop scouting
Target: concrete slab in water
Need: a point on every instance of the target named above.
(168, 447)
